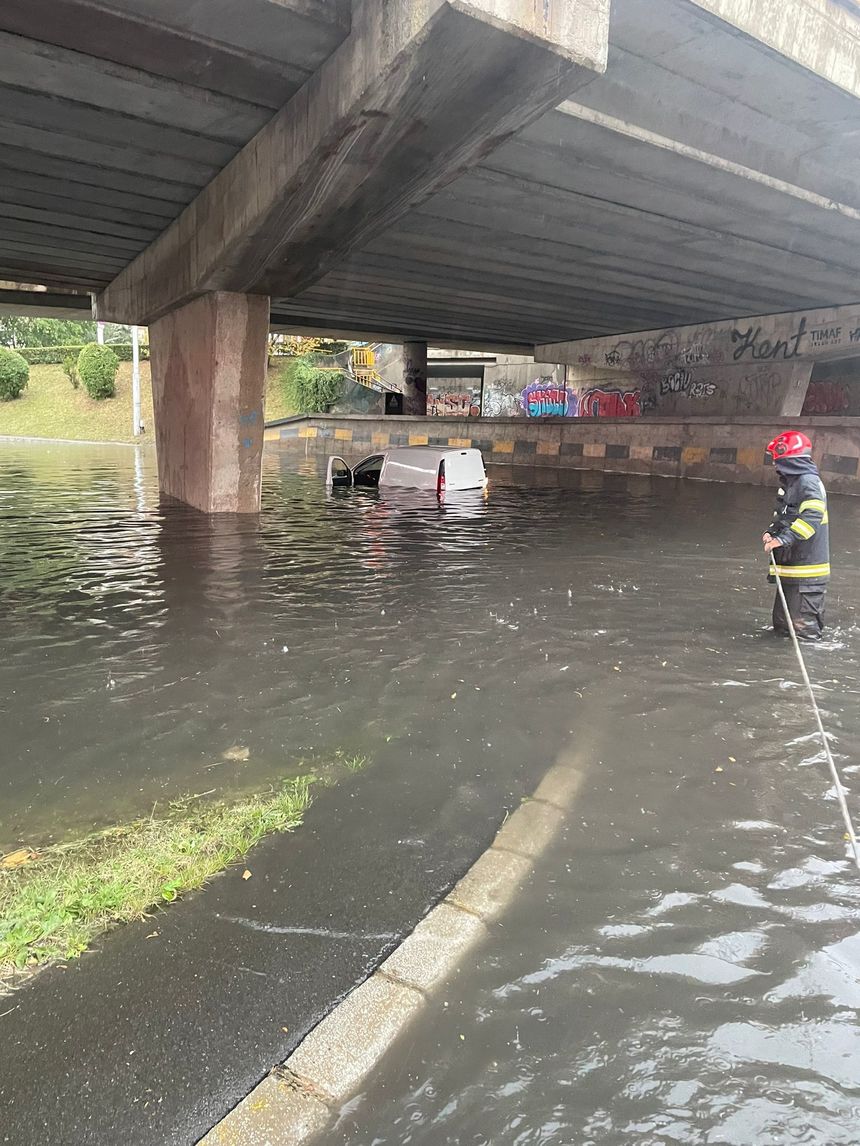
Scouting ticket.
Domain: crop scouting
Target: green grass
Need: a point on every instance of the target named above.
(50, 407)
(54, 906)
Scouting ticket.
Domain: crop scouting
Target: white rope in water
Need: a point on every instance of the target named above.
(834, 772)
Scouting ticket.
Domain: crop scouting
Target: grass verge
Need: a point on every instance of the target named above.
(51, 408)
(52, 907)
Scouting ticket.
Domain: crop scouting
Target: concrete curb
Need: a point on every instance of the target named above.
(21, 439)
(295, 1103)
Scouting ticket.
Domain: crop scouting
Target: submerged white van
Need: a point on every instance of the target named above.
(440, 468)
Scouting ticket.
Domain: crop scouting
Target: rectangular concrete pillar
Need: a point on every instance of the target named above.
(209, 362)
(415, 378)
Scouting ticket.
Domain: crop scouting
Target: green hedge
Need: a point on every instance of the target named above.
(56, 355)
(96, 369)
(14, 374)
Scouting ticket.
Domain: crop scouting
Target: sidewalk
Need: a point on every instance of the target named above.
(153, 1038)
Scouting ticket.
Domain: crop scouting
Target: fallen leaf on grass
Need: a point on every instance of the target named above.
(18, 858)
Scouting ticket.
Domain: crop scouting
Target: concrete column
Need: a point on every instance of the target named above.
(796, 388)
(415, 378)
(208, 384)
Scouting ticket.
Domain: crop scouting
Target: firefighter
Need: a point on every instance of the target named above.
(799, 538)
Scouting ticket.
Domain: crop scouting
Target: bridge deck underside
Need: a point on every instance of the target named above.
(116, 114)
(703, 176)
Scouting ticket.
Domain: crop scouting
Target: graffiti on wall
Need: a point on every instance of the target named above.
(765, 340)
(600, 403)
(642, 351)
(826, 398)
(683, 382)
(760, 349)
(454, 403)
(414, 375)
(544, 399)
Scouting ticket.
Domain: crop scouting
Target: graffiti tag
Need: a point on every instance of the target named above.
(543, 399)
(599, 403)
(826, 398)
(681, 382)
(446, 404)
(693, 355)
(643, 351)
(763, 349)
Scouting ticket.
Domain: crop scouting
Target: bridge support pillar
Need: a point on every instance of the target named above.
(209, 362)
(415, 378)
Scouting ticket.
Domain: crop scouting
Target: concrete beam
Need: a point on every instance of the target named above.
(327, 329)
(419, 91)
(794, 337)
(254, 58)
(32, 66)
(820, 35)
(45, 304)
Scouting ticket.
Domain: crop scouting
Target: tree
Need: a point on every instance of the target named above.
(297, 346)
(16, 330)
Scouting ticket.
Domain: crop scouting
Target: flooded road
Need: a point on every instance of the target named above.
(684, 965)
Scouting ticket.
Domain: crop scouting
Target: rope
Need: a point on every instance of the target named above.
(834, 772)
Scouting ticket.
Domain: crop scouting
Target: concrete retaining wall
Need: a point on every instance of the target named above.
(706, 448)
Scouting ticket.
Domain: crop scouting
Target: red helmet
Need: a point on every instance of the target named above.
(791, 444)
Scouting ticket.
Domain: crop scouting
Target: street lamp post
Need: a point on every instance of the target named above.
(135, 380)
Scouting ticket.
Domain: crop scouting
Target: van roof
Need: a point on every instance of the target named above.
(434, 449)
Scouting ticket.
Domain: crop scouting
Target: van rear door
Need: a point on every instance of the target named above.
(338, 473)
(465, 470)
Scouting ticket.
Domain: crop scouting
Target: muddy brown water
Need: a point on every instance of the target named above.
(684, 966)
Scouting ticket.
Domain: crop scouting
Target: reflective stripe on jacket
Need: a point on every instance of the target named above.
(801, 522)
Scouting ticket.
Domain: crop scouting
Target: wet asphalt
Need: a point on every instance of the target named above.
(154, 1036)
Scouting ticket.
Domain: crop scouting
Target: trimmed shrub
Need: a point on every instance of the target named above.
(14, 374)
(310, 388)
(97, 367)
(56, 355)
(70, 369)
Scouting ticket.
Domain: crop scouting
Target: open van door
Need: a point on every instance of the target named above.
(338, 473)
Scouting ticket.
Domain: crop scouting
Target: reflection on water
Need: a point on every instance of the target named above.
(685, 966)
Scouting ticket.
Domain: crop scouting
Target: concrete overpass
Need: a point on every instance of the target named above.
(491, 172)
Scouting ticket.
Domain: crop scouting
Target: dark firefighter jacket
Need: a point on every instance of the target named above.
(801, 523)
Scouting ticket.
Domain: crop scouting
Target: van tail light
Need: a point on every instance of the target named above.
(440, 481)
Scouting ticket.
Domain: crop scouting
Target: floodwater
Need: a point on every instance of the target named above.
(684, 966)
